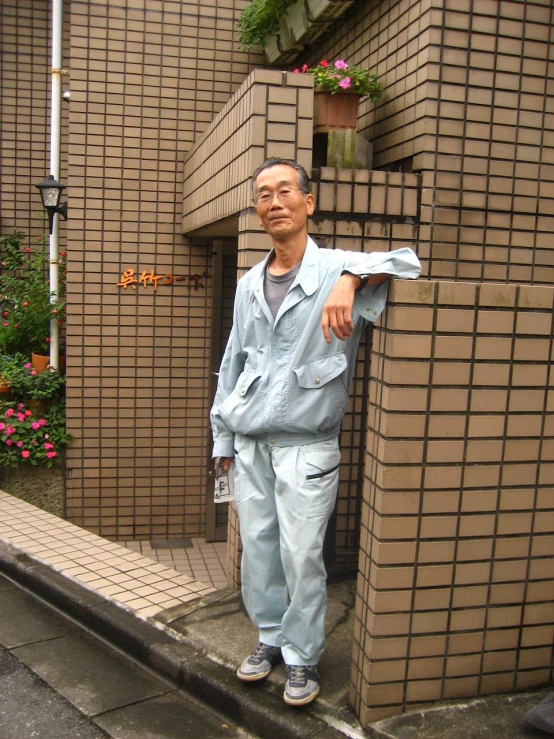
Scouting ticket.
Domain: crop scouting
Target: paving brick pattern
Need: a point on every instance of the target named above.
(140, 583)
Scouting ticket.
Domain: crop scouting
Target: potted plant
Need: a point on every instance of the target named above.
(284, 27)
(25, 307)
(31, 438)
(260, 20)
(338, 89)
(26, 383)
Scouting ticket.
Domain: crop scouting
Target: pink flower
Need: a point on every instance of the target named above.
(35, 442)
(35, 425)
(296, 71)
(324, 63)
(51, 454)
(20, 417)
(48, 446)
(10, 412)
(10, 430)
(28, 365)
(5, 324)
(46, 436)
(304, 68)
(341, 64)
(41, 422)
(2, 426)
(28, 413)
(20, 406)
(25, 454)
(9, 442)
(19, 443)
(345, 84)
(33, 372)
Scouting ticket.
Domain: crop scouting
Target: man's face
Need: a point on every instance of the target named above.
(282, 219)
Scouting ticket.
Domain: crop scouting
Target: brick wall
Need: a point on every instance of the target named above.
(456, 571)
(147, 78)
(25, 78)
(468, 103)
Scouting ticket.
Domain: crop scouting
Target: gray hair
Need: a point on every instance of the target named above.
(301, 174)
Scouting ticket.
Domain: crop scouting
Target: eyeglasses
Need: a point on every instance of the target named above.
(284, 194)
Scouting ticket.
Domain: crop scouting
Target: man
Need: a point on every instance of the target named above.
(282, 393)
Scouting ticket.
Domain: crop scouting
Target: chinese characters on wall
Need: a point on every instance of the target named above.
(130, 278)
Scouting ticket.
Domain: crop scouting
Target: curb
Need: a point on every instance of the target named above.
(259, 711)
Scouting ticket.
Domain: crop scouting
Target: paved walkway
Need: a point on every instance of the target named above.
(146, 598)
(119, 573)
(195, 558)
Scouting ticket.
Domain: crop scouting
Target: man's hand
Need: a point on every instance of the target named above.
(225, 462)
(337, 311)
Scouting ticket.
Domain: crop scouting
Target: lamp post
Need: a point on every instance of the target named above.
(51, 192)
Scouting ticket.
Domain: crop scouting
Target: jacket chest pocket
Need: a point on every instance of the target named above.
(319, 372)
(319, 400)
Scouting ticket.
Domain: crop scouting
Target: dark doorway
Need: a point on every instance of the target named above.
(224, 271)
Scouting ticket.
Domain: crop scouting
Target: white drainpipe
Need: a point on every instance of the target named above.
(55, 153)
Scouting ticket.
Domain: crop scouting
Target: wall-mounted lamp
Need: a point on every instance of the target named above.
(51, 192)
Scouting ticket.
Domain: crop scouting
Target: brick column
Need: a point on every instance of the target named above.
(456, 570)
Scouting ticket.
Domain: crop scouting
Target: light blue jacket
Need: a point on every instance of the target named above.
(279, 381)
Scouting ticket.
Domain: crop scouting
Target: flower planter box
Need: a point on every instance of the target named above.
(337, 112)
(281, 48)
(303, 23)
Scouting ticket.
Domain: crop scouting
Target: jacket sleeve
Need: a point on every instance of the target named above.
(232, 365)
(370, 300)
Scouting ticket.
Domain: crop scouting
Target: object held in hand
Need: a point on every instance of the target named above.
(224, 482)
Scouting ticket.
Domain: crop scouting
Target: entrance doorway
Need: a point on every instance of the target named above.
(224, 271)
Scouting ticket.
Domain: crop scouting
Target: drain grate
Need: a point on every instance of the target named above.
(171, 543)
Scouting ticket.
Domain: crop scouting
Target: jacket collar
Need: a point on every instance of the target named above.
(308, 275)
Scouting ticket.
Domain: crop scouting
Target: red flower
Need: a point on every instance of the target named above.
(3, 264)
(63, 254)
(304, 68)
(47, 339)
(6, 314)
(26, 304)
(28, 250)
(324, 63)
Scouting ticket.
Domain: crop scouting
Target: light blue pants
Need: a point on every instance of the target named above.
(285, 497)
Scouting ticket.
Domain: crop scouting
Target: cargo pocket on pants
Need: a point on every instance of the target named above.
(321, 475)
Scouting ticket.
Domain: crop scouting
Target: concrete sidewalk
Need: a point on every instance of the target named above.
(196, 635)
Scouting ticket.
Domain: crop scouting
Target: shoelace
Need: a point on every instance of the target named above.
(260, 653)
(298, 675)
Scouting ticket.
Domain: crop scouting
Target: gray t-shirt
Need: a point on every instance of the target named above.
(277, 286)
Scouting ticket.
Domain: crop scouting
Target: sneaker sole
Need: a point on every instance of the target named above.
(252, 678)
(301, 701)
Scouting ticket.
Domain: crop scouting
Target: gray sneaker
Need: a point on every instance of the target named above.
(260, 663)
(541, 717)
(302, 686)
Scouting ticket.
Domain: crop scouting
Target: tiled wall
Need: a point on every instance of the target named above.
(456, 575)
(147, 78)
(25, 78)
(270, 115)
(468, 103)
